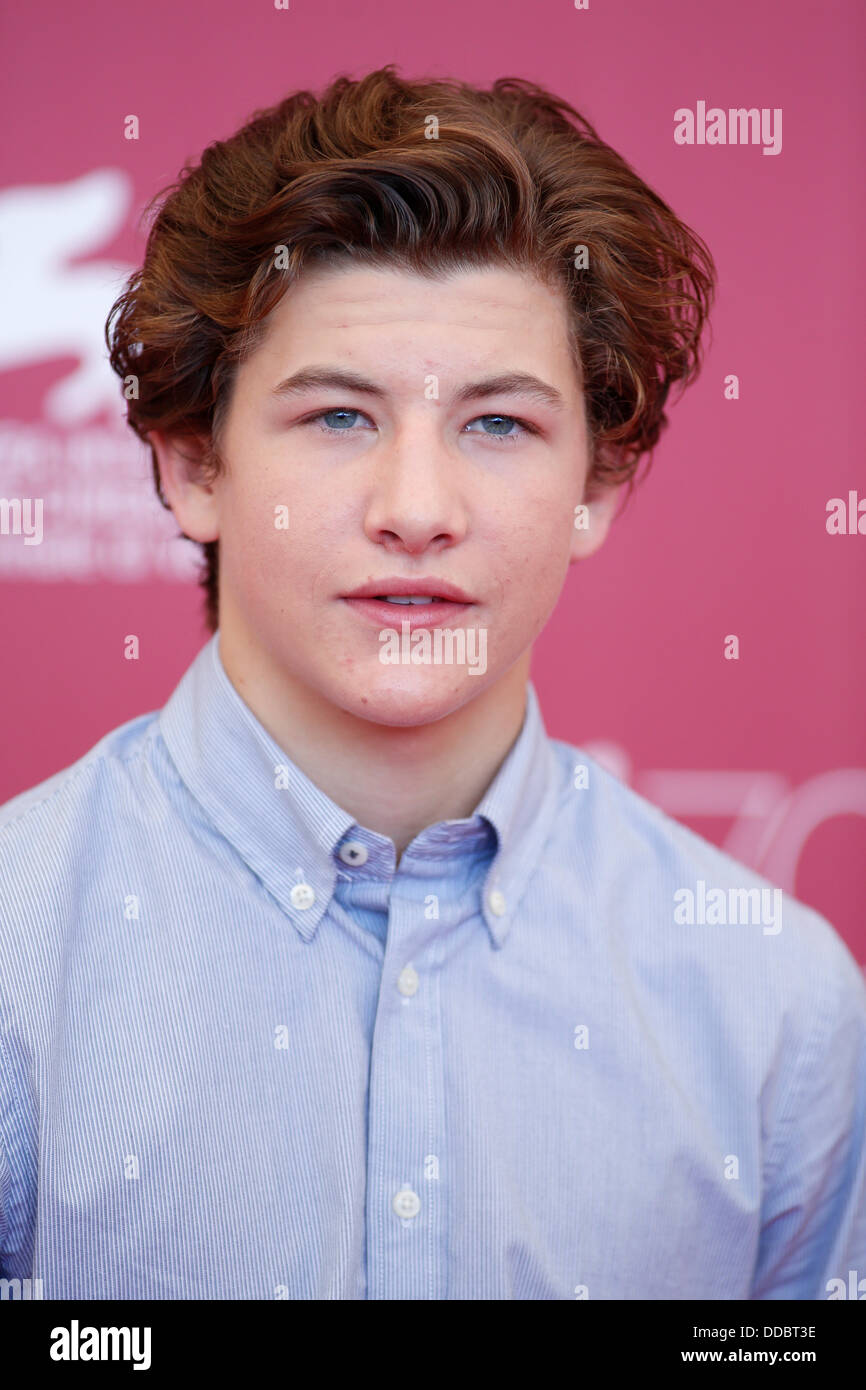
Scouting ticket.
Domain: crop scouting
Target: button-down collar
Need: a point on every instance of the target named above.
(290, 832)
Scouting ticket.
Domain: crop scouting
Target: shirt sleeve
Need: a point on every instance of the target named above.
(813, 1220)
(5, 1170)
(11, 1210)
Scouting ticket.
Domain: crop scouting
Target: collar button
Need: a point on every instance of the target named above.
(353, 852)
(302, 896)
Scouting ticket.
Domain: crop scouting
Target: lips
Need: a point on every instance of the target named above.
(424, 586)
(444, 603)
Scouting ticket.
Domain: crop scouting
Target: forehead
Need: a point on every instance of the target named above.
(478, 311)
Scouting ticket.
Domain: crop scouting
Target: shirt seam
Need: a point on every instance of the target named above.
(89, 761)
(815, 1039)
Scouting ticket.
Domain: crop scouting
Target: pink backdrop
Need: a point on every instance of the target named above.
(766, 755)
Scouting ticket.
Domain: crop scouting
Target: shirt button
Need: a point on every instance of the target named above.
(497, 902)
(302, 895)
(353, 852)
(407, 1203)
(407, 980)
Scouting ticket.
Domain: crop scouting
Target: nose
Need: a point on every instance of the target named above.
(417, 499)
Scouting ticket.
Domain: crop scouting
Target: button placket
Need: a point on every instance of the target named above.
(406, 1114)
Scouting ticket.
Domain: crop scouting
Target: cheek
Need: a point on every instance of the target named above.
(259, 535)
(263, 508)
(533, 542)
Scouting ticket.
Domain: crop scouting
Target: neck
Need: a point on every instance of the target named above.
(394, 780)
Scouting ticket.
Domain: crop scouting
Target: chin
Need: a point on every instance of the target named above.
(414, 699)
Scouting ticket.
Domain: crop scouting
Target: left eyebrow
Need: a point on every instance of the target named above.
(513, 384)
(505, 384)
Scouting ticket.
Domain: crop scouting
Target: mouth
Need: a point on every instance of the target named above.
(422, 603)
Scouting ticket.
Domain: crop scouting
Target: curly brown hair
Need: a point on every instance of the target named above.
(512, 176)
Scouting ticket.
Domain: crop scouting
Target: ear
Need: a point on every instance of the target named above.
(592, 518)
(186, 484)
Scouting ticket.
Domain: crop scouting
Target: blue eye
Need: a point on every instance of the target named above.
(344, 427)
(503, 434)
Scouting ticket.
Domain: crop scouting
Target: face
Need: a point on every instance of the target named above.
(434, 436)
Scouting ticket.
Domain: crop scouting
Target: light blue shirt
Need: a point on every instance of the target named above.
(560, 1052)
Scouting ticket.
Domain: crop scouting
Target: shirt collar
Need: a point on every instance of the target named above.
(288, 830)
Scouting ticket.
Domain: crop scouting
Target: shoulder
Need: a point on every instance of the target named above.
(673, 898)
(51, 830)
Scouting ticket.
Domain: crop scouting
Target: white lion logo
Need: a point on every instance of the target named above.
(54, 309)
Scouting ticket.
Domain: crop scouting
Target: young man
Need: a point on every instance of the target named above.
(337, 978)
